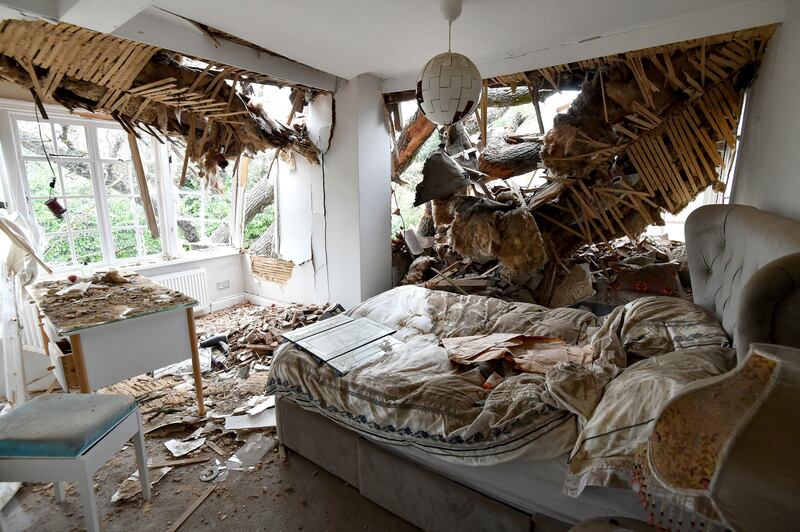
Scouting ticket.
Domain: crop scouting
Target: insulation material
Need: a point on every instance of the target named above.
(420, 270)
(575, 287)
(485, 229)
(143, 86)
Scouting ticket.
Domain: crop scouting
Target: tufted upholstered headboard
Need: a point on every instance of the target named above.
(745, 269)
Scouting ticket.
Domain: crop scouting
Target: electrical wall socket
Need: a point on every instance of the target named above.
(222, 285)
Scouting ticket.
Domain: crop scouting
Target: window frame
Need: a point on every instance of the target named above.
(19, 196)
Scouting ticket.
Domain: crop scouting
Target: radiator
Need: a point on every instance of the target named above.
(30, 335)
(190, 282)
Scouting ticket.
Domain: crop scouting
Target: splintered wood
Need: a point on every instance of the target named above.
(271, 269)
(144, 86)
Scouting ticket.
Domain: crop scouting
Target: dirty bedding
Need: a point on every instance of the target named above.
(415, 396)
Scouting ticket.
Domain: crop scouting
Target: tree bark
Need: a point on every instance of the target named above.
(415, 133)
(255, 200)
(502, 160)
(264, 245)
(189, 231)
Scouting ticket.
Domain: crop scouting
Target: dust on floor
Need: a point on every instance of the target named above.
(276, 495)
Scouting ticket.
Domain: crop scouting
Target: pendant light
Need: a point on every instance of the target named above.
(449, 86)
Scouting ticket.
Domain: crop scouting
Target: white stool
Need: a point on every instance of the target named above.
(55, 438)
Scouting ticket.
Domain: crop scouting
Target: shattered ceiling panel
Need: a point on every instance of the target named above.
(146, 88)
(650, 130)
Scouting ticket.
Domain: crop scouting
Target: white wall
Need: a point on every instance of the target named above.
(301, 237)
(219, 269)
(357, 191)
(768, 169)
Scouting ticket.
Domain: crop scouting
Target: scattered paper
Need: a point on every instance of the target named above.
(259, 421)
(131, 485)
(256, 404)
(181, 448)
(78, 287)
(251, 453)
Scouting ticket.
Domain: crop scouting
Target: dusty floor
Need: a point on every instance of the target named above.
(293, 494)
(290, 495)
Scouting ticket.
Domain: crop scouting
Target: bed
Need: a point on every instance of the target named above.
(432, 443)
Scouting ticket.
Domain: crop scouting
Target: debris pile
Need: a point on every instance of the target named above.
(649, 131)
(235, 434)
(602, 276)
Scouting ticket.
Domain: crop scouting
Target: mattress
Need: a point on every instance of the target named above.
(532, 486)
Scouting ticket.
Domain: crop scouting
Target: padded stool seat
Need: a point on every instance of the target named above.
(61, 425)
(56, 438)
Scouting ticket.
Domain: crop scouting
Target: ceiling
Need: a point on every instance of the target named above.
(394, 38)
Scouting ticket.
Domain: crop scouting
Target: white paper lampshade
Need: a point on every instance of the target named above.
(448, 88)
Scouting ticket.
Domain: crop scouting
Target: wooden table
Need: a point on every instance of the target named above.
(118, 330)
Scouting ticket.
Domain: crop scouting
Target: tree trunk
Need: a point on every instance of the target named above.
(189, 231)
(264, 245)
(415, 133)
(255, 200)
(502, 160)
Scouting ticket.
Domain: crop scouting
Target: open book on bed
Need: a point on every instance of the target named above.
(344, 343)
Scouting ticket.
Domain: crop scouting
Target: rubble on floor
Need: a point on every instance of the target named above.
(238, 428)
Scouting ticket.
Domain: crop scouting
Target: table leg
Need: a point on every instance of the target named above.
(198, 376)
(80, 363)
(45, 338)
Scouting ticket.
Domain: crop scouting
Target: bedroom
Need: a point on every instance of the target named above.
(604, 215)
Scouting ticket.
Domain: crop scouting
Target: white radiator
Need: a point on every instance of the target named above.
(30, 334)
(190, 282)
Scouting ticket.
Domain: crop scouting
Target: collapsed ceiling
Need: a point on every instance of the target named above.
(649, 131)
(146, 87)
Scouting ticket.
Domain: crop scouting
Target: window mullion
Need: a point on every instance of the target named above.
(15, 178)
(166, 189)
(100, 200)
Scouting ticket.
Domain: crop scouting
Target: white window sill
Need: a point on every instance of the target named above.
(146, 265)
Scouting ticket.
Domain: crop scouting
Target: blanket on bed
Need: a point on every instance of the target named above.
(414, 395)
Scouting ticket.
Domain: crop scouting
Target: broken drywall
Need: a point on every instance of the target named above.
(320, 120)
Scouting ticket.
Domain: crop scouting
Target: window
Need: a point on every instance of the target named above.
(129, 232)
(88, 163)
(67, 177)
(203, 215)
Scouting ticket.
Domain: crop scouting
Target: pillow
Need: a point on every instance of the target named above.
(620, 425)
(657, 325)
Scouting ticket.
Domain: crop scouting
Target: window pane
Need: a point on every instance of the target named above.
(151, 245)
(71, 140)
(211, 226)
(56, 251)
(82, 214)
(87, 248)
(39, 176)
(117, 178)
(217, 207)
(146, 149)
(77, 179)
(45, 218)
(113, 144)
(188, 206)
(120, 211)
(125, 243)
(29, 137)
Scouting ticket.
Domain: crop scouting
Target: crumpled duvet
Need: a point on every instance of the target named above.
(415, 396)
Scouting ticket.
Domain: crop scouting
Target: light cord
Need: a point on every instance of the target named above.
(449, 35)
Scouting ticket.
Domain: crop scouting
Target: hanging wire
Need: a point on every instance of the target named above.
(449, 35)
(46, 155)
